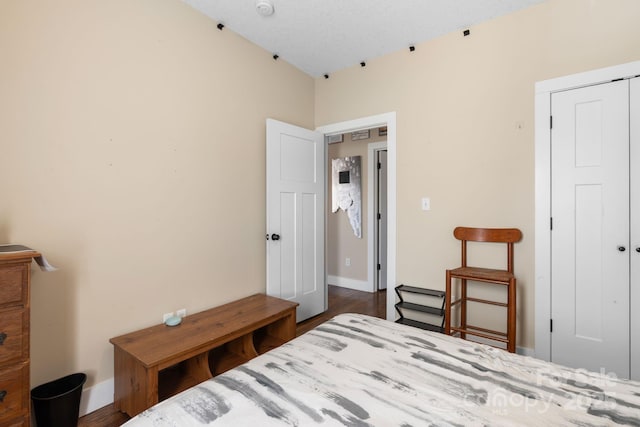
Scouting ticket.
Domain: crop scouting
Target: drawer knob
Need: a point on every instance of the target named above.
(3, 337)
(3, 393)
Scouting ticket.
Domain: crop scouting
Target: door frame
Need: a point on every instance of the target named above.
(543, 91)
(372, 242)
(388, 120)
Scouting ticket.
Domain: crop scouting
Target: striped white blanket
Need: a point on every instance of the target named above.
(357, 370)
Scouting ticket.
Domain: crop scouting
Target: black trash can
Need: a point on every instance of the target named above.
(57, 403)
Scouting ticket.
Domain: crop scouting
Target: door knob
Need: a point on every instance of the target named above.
(275, 237)
(622, 248)
(637, 248)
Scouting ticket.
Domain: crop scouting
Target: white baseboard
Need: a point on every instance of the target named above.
(345, 282)
(96, 396)
(524, 351)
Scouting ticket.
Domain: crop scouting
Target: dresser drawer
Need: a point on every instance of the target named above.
(13, 335)
(14, 387)
(14, 284)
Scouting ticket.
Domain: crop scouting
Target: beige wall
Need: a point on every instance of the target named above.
(132, 155)
(132, 151)
(341, 242)
(465, 113)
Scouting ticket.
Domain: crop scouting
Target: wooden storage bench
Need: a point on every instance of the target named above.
(155, 363)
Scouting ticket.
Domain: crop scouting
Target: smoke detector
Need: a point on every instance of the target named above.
(264, 7)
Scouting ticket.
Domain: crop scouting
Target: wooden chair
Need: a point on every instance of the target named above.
(500, 277)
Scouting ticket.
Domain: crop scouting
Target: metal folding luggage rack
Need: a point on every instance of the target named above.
(402, 306)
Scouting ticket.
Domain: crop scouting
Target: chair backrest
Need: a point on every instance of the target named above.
(493, 235)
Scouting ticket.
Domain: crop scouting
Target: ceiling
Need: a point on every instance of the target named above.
(323, 36)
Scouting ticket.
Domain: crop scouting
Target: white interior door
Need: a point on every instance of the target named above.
(295, 217)
(382, 218)
(634, 114)
(590, 234)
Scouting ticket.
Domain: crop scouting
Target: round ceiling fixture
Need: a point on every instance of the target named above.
(264, 7)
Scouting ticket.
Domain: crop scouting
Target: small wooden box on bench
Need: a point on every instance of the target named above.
(155, 363)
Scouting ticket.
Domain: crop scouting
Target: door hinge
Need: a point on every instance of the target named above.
(379, 267)
(550, 325)
(379, 215)
(551, 223)
(550, 122)
(379, 165)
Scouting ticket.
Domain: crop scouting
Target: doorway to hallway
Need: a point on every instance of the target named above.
(387, 121)
(357, 247)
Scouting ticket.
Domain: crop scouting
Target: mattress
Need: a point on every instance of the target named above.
(356, 370)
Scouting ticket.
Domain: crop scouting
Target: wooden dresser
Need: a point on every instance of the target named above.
(15, 273)
(157, 362)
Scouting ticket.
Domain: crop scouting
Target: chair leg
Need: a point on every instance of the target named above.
(511, 316)
(447, 305)
(463, 307)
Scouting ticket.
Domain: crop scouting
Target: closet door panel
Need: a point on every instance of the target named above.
(634, 115)
(590, 236)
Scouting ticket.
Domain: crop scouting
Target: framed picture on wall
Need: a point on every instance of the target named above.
(334, 139)
(361, 134)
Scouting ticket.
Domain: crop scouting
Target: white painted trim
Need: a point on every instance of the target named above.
(371, 220)
(358, 124)
(97, 396)
(588, 78)
(388, 119)
(542, 248)
(345, 282)
(544, 89)
(525, 351)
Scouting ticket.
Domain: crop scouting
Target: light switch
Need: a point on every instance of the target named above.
(426, 204)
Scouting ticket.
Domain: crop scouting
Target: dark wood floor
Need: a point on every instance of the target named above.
(341, 300)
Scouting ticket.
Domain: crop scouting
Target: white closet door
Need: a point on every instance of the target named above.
(590, 236)
(635, 227)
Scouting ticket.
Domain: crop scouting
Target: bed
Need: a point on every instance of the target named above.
(357, 370)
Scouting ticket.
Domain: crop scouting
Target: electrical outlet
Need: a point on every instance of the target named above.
(182, 312)
(166, 316)
(347, 262)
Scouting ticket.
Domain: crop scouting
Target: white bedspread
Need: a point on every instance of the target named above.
(357, 370)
